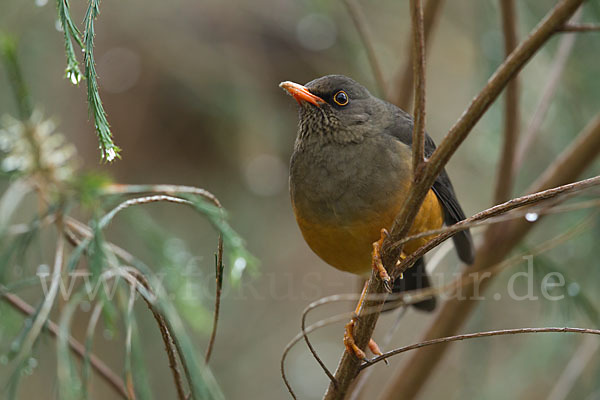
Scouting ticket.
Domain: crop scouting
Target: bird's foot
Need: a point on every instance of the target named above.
(351, 346)
(378, 264)
(349, 342)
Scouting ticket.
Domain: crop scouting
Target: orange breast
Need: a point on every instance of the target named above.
(348, 246)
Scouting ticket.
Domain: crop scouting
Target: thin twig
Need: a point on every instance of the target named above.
(103, 370)
(161, 188)
(558, 65)
(418, 141)
(166, 337)
(477, 335)
(403, 83)
(219, 282)
(579, 28)
(358, 17)
(506, 171)
(446, 232)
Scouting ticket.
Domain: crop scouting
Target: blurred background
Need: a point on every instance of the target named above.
(191, 92)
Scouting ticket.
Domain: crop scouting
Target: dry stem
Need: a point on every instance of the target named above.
(418, 142)
(504, 182)
(402, 96)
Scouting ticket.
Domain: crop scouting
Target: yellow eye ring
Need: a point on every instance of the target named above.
(341, 98)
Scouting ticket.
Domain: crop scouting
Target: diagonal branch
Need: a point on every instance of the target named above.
(475, 336)
(499, 209)
(563, 52)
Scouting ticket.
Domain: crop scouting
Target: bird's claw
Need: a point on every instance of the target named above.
(352, 348)
(378, 264)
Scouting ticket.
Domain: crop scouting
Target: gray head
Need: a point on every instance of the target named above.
(335, 108)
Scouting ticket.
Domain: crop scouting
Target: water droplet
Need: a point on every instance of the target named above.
(573, 289)
(74, 77)
(531, 216)
(239, 265)
(58, 26)
(110, 154)
(41, 3)
(3, 359)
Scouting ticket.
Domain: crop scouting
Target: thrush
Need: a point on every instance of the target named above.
(350, 173)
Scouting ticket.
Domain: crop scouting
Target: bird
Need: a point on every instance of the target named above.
(350, 171)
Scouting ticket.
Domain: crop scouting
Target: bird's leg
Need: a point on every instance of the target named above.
(349, 342)
(378, 264)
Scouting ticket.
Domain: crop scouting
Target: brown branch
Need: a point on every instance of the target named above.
(499, 209)
(474, 336)
(219, 285)
(310, 307)
(570, 164)
(505, 174)
(358, 17)
(160, 188)
(418, 141)
(348, 367)
(558, 65)
(103, 370)
(165, 332)
(402, 96)
(579, 28)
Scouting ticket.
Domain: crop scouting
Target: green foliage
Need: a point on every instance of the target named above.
(41, 164)
(71, 32)
(109, 151)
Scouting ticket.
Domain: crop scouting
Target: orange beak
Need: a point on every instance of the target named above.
(301, 93)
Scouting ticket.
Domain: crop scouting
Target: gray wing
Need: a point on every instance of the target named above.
(442, 187)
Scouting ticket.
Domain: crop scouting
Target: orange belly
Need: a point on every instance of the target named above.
(348, 246)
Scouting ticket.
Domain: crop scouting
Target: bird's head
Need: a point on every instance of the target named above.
(335, 108)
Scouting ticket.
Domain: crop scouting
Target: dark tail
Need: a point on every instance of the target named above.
(416, 278)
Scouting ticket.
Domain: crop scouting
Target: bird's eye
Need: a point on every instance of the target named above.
(340, 98)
